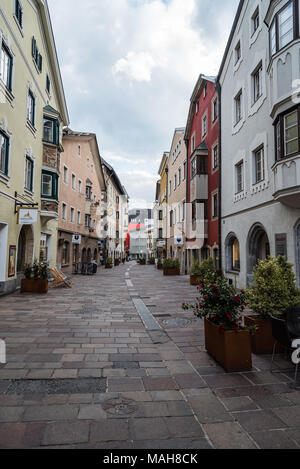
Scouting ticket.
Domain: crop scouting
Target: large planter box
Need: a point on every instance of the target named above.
(34, 286)
(232, 350)
(171, 271)
(108, 266)
(194, 279)
(262, 341)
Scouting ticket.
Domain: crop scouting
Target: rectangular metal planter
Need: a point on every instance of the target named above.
(171, 271)
(262, 342)
(232, 350)
(34, 286)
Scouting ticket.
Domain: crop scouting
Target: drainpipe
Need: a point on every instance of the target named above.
(219, 91)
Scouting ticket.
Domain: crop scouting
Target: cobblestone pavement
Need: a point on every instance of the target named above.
(86, 370)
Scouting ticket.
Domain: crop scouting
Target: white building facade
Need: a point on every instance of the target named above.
(260, 138)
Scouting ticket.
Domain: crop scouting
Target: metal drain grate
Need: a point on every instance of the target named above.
(162, 315)
(120, 406)
(176, 322)
(57, 386)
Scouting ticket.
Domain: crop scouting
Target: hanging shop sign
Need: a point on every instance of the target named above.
(160, 244)
(178, 241)
(76, 239)
(27, 216)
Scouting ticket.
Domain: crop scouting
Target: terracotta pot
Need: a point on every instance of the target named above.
(262, 341)
(194, 279)
(171, 271)
(232, 350)
(34, 286)
(108, 266)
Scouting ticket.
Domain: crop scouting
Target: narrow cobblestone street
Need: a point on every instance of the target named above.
(90, 367)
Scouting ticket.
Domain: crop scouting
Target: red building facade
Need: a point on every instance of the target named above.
(202, 172)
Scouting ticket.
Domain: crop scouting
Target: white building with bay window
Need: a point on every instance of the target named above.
(260, 151)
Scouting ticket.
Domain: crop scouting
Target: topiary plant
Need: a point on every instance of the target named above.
(109, 260)
(274, 289)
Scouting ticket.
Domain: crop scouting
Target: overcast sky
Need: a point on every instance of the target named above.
(129, 68)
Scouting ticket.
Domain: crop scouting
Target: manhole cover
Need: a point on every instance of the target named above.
(176, 322)
(120, 406)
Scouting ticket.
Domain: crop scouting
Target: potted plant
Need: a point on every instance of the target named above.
(36, 278)
(109, 263)
(116, 262)
(159, 264)
(272, 293)
(151, 261)
(142, 261)
(226, 339)
(199, 270)
(171, 267)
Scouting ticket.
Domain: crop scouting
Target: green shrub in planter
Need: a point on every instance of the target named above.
(109, 260)
(171, 264)
(274, 288)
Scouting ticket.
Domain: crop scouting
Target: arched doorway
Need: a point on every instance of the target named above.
(25, 248)
(95, 254)
(297, 243)
(83, 255)
(258, 247)
(89, 255)
(232, 253)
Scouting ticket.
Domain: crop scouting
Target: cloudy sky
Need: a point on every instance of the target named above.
(129, 68)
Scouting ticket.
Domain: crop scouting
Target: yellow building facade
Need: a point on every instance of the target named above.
(33, 112)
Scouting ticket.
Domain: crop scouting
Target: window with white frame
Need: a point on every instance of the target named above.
(215, 205)
(291, 133)
(215, 157)
(6, 64)
(175, 182)
(73, 182)
(79, 218)
(284, 27)
(4, 153)
(65, 175)
(204, 126)
(31, 108)
(64, 211)
(259, 170)
(238, 107)
(239, 177)
(28, 173)
(215, 110)
(255, 21)
(257, 83)
(79, 186)
(179, 176)
(72, 215)
(238, 52)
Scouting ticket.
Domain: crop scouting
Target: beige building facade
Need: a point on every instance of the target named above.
(177, 197)
(32, 114)
(82, 198)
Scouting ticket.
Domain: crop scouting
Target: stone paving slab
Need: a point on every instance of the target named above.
(76, 351)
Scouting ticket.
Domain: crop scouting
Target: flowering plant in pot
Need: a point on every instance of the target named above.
(171, 267)
(272, 293)
(198, 271)
(226, 338)
(36, 278)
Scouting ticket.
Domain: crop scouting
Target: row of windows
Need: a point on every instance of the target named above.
(258, 170)
(178, 178)
(256, 93)
(88, 222)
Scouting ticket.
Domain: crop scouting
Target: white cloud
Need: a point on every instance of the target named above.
(129, 69)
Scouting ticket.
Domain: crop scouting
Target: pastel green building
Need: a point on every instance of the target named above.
(33, 112)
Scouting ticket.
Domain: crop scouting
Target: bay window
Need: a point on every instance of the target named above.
(49, 185)
(287, 134)
(51, 131)
(283, 29)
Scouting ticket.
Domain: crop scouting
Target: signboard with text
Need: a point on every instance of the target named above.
(27, 216)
